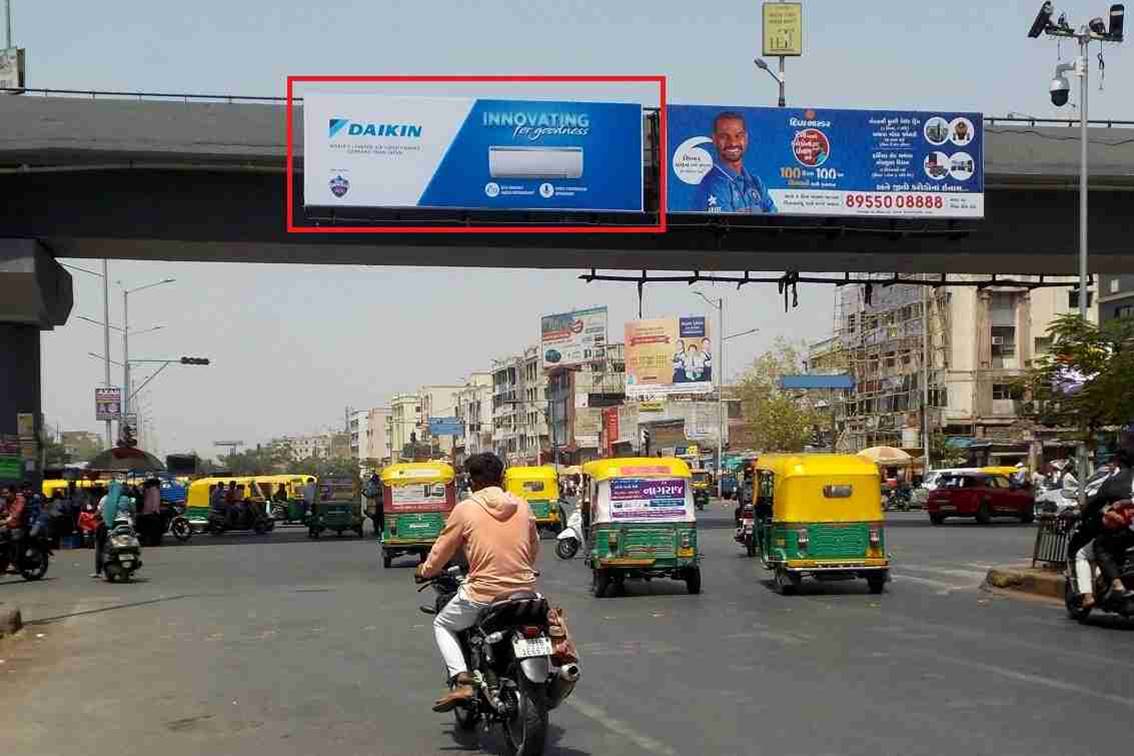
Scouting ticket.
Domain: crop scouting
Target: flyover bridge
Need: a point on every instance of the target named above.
(203, 179)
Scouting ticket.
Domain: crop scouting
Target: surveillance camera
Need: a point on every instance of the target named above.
(1060, 90)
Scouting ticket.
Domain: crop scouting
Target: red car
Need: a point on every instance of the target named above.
(982, 496)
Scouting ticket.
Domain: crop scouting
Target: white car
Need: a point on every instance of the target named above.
(1059, 499)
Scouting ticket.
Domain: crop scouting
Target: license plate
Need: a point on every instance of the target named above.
(526, 648)
(948, 508)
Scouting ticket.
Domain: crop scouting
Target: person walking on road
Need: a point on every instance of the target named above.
(373, 492)
(309, 492)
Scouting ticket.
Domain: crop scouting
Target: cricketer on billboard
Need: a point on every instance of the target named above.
(377, 151)
(785, 161)
(668, 356)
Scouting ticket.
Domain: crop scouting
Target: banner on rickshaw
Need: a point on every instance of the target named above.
(667, 356)
(417, 497)
(654, 499)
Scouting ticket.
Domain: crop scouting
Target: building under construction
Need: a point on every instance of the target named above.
(955, 350)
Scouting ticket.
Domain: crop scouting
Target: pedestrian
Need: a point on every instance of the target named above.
(150, 520)
(12, 527)
(309, 492)
(376, 510)
(59, 513)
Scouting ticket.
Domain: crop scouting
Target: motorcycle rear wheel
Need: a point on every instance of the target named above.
(181, 528)
(467, 719)
(567, 548)
(526, 733)
(34, 570)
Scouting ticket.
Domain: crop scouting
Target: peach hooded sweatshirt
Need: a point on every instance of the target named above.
(500, 539)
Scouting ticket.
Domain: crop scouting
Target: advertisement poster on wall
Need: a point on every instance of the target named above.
(667, 356)
(362, 150)
(573, 338)
(792, 161)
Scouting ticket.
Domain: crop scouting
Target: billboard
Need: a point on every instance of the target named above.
(791, 161)
(572, 338)
(108, 403)
(446, 426)
(668, 356)
(363, 150)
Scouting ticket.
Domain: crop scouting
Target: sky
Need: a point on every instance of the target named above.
(292, 346)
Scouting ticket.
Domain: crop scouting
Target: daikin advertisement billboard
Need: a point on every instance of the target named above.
(791, 161)
(363, 150)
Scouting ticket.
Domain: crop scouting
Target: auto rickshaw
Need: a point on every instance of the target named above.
(338, 507)
(290, 509)
(702, 487)
(417, 498)
(540, 487)
(641, 523)
(198, 509)
(820, 516)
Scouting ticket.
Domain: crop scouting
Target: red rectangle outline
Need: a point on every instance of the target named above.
(659, 228)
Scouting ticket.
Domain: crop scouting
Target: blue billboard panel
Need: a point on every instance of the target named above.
(446, 426)
(789, 161)
(397, 152)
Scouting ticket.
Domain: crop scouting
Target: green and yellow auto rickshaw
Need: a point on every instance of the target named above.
(417, 498)
(641, 523)
(287, 506)
(820, 516)
(702, 488)
(337, 507)
(540, 487)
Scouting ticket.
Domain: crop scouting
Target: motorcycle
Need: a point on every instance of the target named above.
(123, 556)
(250, 517)
(34, 558)
(569, 540)
(509, 657)
(746, 531)
(1073, 600)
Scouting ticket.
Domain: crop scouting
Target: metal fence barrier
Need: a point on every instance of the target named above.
(1051, 540)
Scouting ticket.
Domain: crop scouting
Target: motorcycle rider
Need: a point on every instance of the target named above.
(13, 527)
(498, 534)
(1083, 547)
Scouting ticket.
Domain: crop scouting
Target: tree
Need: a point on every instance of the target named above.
(780, 420)
(1086, 382)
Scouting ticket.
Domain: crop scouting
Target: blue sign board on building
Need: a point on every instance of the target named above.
(446, 426)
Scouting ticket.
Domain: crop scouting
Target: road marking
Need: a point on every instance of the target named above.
(619, 727)
(1025, 677)
(944, 589)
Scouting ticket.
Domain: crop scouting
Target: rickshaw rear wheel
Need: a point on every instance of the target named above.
(877, 583)
(600, 583)
(693, 580)
(387, 561)
(750, 546)
(787, 583)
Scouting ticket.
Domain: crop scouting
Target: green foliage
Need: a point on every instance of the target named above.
(1104, 357)
(780, 420)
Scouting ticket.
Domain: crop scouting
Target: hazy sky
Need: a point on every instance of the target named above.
(293, 345)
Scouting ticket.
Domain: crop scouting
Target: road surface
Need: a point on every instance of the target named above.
(278, 645)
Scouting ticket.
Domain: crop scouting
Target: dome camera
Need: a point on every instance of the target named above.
(1060, 90)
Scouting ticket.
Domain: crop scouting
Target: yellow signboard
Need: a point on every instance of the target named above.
(651, 406)
(783, 29)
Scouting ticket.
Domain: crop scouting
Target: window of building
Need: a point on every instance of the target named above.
(1003, 340)
(1042, 345)
(890, 359)
(1006, 391)
(1124, 311)
(1114, 286)
(1073, 299)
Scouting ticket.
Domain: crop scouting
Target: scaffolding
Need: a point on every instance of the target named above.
(880, 338)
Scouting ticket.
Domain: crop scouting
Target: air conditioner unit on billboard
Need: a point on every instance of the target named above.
(506, 162)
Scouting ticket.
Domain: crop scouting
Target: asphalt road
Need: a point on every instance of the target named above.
(278, 645)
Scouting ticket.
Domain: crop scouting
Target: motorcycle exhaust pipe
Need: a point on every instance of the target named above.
(562, 684)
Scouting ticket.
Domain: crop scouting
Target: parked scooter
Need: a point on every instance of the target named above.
(34, 557)
(123, 556)
(509, 653)
(569, 540)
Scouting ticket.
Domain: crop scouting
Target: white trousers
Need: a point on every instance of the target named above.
(1084, 580)
(459, 614)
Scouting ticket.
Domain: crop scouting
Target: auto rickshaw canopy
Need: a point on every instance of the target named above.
(636, 467)
(417, 472)
(820, 487)
(532, 482)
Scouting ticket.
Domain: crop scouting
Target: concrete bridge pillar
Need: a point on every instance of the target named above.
(35, 295)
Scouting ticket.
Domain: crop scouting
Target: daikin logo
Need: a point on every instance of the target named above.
(358, 128)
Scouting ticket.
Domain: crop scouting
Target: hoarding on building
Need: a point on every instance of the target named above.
(364, 150)
(12, 69)
(668, 356)
(573, 338)
(795, 161)
(446, 426)
(108, 403)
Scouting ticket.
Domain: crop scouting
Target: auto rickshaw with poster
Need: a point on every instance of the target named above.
(642, 523)
(338, 507)
(820, 516)
(702, 487)
(417, 498)
(540, 487)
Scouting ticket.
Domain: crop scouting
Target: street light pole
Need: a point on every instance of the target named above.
(720, 398)
(106, 338)
(126, 344)
(1084, 44)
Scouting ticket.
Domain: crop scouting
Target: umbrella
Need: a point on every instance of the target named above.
(125, 459)
(888, 456)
